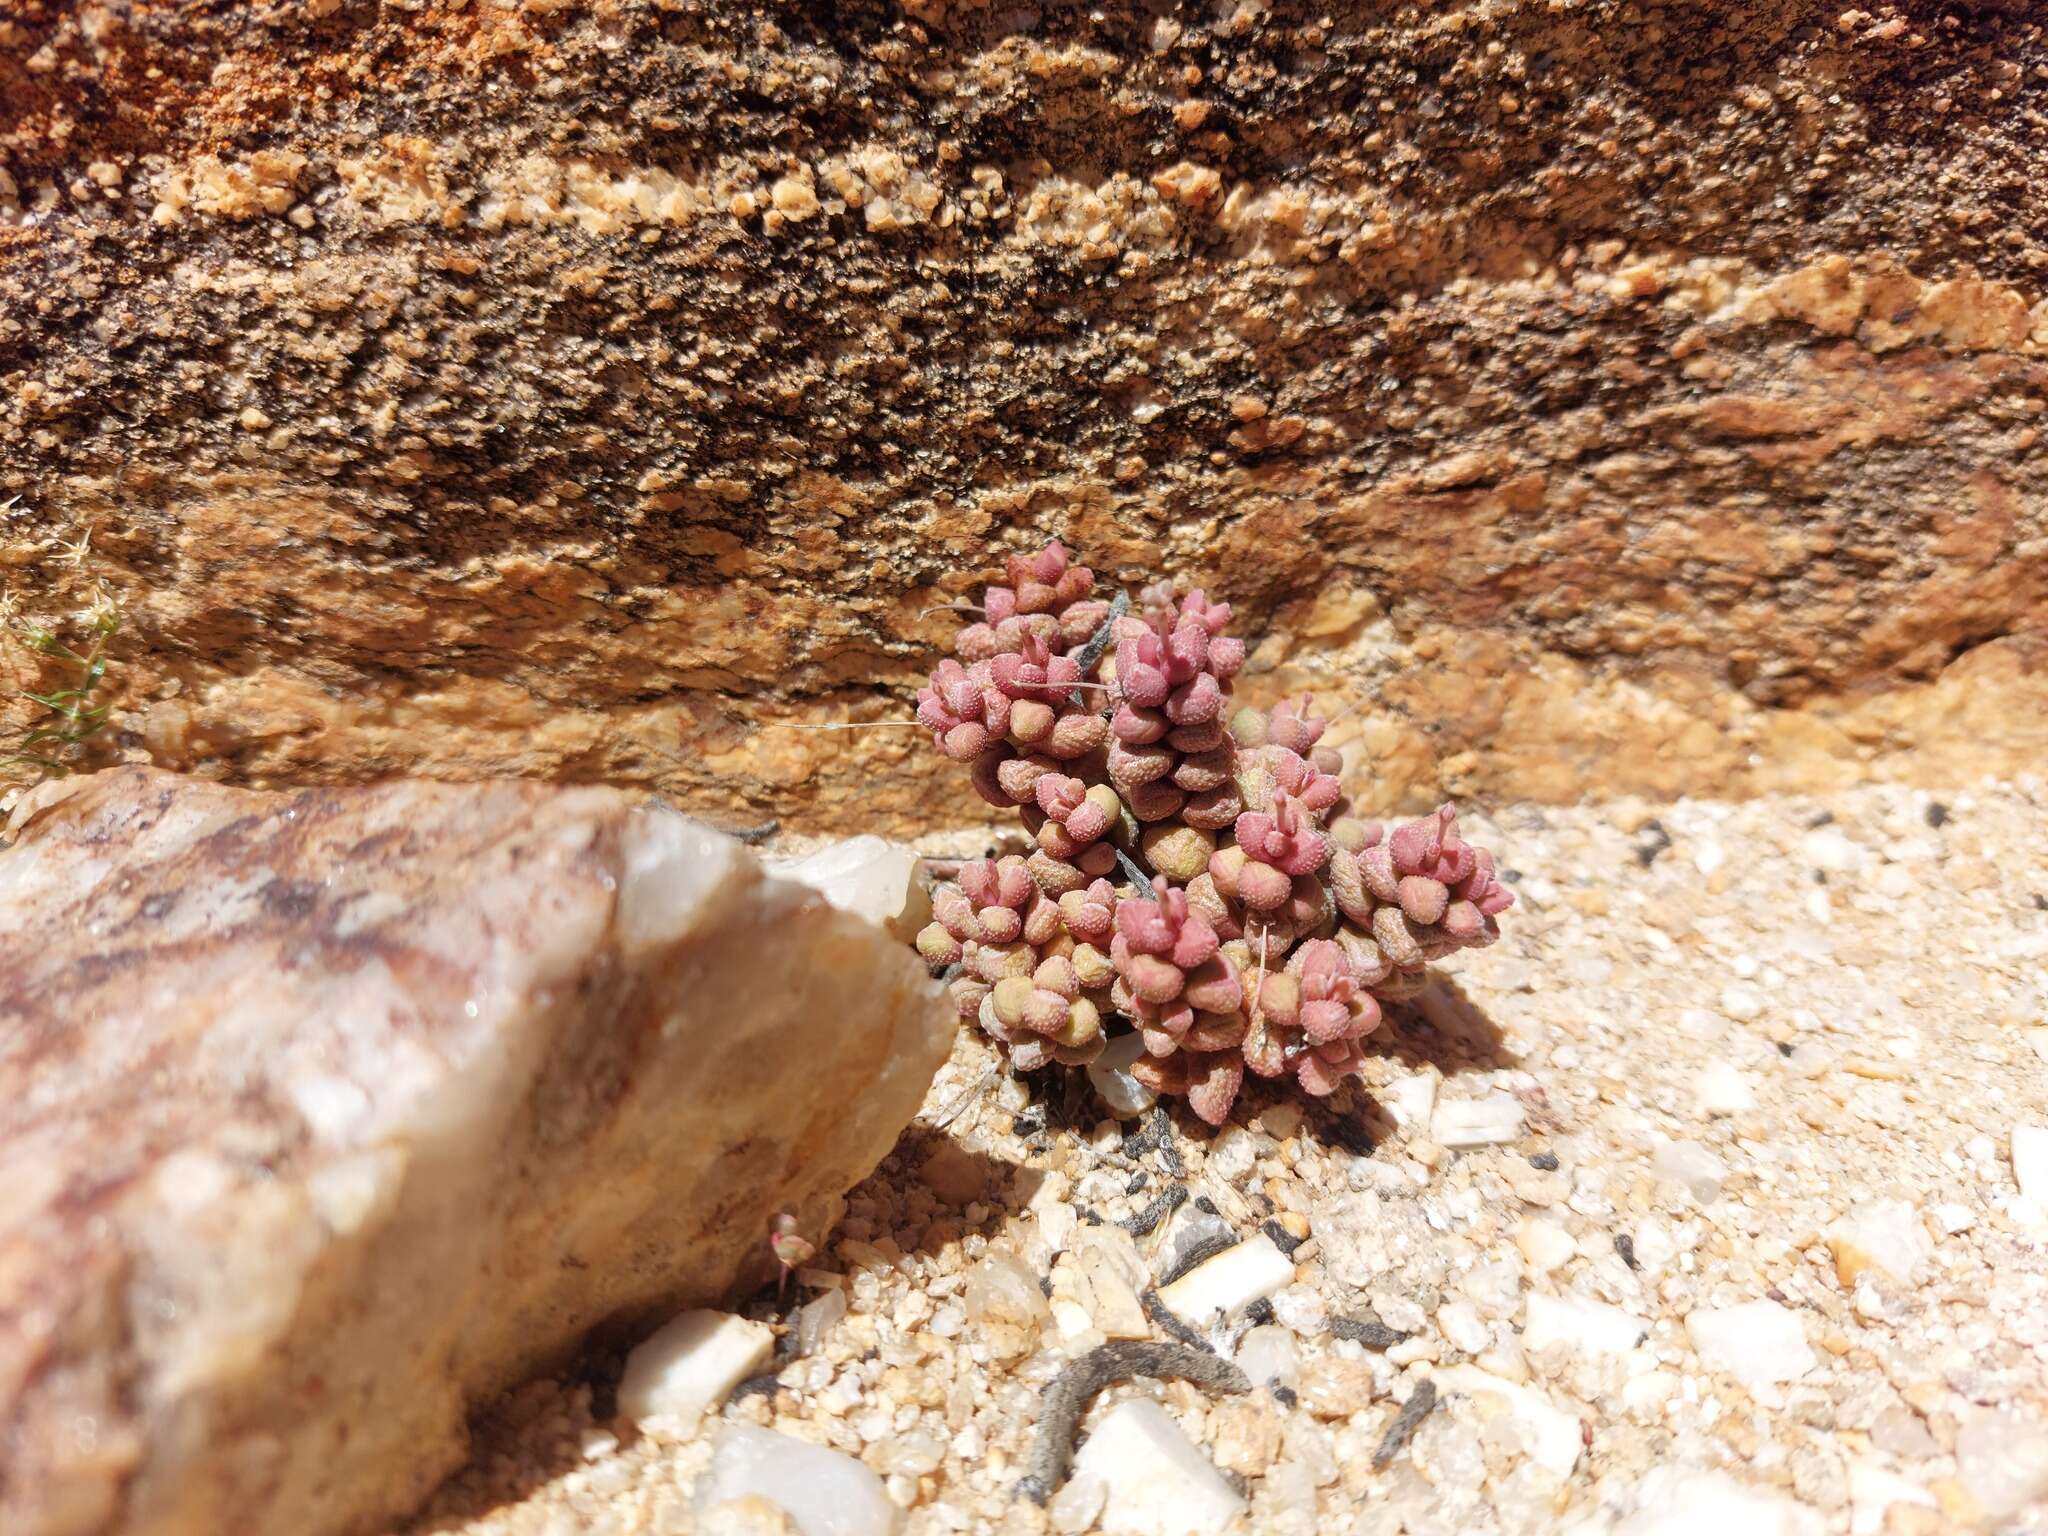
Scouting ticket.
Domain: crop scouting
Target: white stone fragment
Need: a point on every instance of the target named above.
(690, 1364)
(1157, 1483)
(1544, 1243)
(2030, 1161)
(1882, 1234)
(1686, 1501)
(1952, 1218)
(868, 877)
(1722, 1089)
(1230, 1282)
(1267, 1354)
(823, 1492)
(1233, 1154)
(1078, 1504)
(1759, 1343)
(1741, 1004)
(1462, 1327)
(1873, 1491)
(1581, 1325)
(2002, 1462)
(1483, 1122)
(1690, 1164)
(1552, 1437)
(1110, 1073)
(1410, 1101)
(1827, 849)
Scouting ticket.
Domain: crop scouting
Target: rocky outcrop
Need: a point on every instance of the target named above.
(1611, 395)
(322, 1116)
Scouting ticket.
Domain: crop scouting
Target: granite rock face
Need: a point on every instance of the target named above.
(322, 1116)
(1619, 394)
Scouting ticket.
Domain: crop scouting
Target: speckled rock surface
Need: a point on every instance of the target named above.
(1643, 397)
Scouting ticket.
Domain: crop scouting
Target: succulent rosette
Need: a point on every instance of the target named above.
(1197, 875)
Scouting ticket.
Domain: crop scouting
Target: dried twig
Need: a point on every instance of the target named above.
(1367, 1330)
(1169, 1200)
(1067, 1398)
(1412, 1413)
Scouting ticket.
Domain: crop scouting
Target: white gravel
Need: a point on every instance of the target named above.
(1663, 1303)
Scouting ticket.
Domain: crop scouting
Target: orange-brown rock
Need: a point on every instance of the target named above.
(1616, 396)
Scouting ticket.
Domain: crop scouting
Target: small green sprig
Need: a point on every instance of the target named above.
(71, 718)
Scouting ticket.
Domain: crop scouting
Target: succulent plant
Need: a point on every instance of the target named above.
(1269, 927)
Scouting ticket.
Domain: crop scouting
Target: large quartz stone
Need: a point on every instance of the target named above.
(323, 1116)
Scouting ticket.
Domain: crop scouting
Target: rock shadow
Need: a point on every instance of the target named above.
(922, 1197)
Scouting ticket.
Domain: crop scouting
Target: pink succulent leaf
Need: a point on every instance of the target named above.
(1138, 727)
(1213, 618)
(1226, 656)
(1213, 1083)
(1141, 671)
(1187, 652)
(998, 604)
(1197, 702)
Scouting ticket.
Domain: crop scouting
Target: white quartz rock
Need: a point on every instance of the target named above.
(2002, 1461)
(824, 1492)
(1686, 1501)
(1581, 1325)
(1158, 1482)
(409, 1087)
(868, 877)
(1411, 1100)
(1268, 1356)
(1688, 1163)
(1873, 1491)
(691, 1364)
(1230, 1282)
(1110, 1073)
(1882, 1234)
(1483, 1122)
(1759, 1343)
(1723, 1089)
(1552, 1437)
(2030, 1161)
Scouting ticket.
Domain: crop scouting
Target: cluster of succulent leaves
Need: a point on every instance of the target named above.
(72, 714)
(1199, 876)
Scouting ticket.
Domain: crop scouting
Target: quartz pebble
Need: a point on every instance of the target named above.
(1685, 1501)
(1110, 1074)
(824, 1492)
(1550, 1436)
(1872, 1493)
(1882, 1234)
(2002, 1461)
(1410, 1100)
(1156, 1481)
(1690, 1164)
(1005, 1304)
(1580, 1325)
(1721, 1089)
(1759, 1343)
(1461, 1123)
(1078, 1504)
(868, 877)
(1544, 1243)
(690, 1365)
(1268, 1356)
(1230, 1282)
(2030, 1161)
